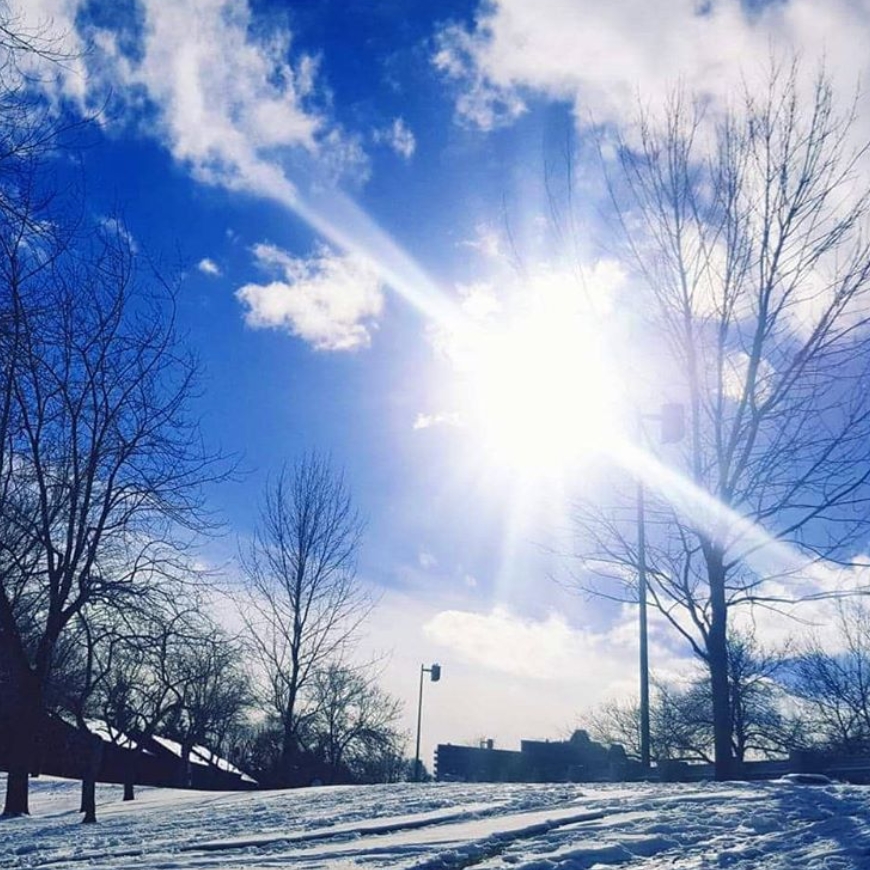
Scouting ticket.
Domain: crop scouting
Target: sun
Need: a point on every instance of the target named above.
(538, 387)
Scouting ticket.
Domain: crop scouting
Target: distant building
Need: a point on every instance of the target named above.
(576, 760)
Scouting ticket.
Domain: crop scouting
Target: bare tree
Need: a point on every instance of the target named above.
(679, 724)
(761, 722)
(100, 467)
(834, 686)
(304, 603)
(29, 242)
(681, 716)
(745, 232)
(354, 722)
(139, 692)
(615, 722)
(99, 463)
(82, 661)
(203, 672)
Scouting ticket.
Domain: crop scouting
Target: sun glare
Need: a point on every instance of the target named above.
(539, 390)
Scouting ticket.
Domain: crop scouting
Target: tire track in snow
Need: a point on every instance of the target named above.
(342, 831)
(477, 852)
(445, 837)
(363, 829)
(446, 842)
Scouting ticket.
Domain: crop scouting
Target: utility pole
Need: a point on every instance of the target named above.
(644, 641)
(672, 419)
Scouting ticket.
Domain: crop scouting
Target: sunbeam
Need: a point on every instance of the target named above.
(535, 389)
(770, 559)
(342, 222)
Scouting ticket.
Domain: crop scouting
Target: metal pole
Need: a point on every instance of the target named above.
(673, 429)
(644, 646)
(419, 720)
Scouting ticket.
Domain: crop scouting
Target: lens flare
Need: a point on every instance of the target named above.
(537, 388)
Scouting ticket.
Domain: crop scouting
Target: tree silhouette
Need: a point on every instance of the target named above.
(304, 603)
(744, 232)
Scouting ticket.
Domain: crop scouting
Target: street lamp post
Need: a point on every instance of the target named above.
(673, 428)
(434, 675)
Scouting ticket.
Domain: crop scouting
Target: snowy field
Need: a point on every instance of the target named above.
(450, 826)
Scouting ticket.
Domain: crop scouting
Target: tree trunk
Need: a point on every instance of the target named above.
(288, 756)
(93, 760)
(185, 779)
(89, 800)
(131, 769)
(717, 651)
(130, 780)
(17, 788)
(23, 745)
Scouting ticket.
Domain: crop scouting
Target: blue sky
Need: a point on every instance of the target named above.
(343, 180)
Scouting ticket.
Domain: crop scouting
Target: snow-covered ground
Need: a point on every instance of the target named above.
(775, 826)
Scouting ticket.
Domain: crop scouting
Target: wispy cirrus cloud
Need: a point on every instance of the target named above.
(50, 27)
(329, 300)
(231, 99)
(487, 241)
(482, 101)
(231, 105)
(399, 137)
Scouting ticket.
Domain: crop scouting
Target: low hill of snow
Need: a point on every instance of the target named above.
(450, 826)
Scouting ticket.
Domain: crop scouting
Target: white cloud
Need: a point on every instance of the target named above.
(824, 585)
(487, 242)
(50, 25)
(208, 267)
(329, 300)
(399, 137)
(114, 227)
(426, 560)
(484, 102)
(230, 103)
(427, 421)
(601, 57)
(502, 641)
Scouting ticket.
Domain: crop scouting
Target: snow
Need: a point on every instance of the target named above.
(203, 757)
(110, 734)
(450, 826)
(175, 748)
(210, 758)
